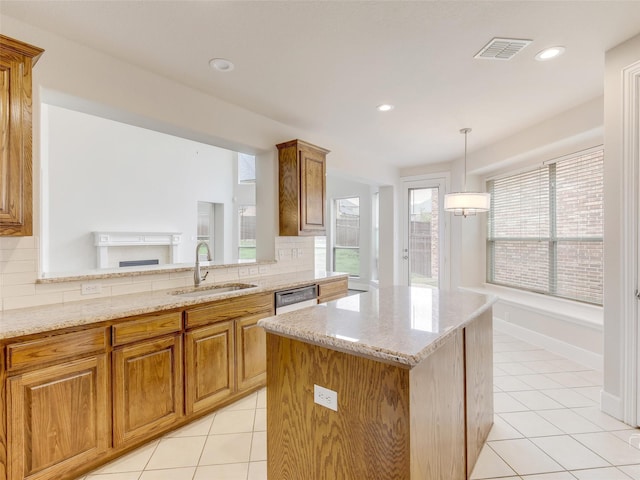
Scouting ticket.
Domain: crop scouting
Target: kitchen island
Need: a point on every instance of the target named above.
(395, 383)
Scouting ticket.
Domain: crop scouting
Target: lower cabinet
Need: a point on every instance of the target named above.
(147, 388)
(58, 418)
(209, 366)
(251, 352)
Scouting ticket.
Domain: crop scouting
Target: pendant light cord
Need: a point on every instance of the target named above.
(464, 173)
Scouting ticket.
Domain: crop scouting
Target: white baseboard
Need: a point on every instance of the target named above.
(577, 354)
(611, 405)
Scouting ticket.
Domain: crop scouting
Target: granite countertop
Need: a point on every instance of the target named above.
(26, 321)
(399, 325)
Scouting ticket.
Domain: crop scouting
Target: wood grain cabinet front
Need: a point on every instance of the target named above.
(251, 352)
(302, 188)
(16, 170)
(147, 388)
(209, 366)
(332, 289)
(58, 418)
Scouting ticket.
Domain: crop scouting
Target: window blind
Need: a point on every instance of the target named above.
(545, 229)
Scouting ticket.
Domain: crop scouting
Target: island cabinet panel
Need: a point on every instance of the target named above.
(209, 366)
(58, 418)
(147, 389)
(478, 337)
(251, 352)
(368, 437)
(302, 188)
(437, 414)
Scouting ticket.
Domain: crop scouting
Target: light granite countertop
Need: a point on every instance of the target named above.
(27, 321)
(398, 325)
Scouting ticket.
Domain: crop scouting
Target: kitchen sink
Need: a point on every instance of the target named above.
(212, 289)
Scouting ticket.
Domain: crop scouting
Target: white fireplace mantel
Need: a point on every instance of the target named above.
(105, 240)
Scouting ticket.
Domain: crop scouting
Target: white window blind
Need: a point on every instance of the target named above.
(545, 229)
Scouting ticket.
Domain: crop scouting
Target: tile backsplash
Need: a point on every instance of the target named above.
(19, 259)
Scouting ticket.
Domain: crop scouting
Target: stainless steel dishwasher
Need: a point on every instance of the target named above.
(296, 298)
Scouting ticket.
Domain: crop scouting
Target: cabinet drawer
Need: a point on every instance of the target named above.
(229, 309)
(55, 348)
(332, 290)
(147, 326)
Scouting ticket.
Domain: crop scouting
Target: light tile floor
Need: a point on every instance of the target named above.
(548, 426)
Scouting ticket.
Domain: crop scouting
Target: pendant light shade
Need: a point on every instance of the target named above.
(466, 203)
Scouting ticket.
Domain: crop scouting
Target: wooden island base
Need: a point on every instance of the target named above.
(428, 422)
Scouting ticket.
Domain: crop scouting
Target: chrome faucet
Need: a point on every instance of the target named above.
(197, 278)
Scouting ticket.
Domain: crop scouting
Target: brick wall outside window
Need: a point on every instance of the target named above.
(545, 229)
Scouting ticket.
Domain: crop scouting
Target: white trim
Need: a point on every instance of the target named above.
(611, 404)
(577, 354)
(629, 321)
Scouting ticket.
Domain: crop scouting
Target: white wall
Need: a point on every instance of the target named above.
(617, 238)
(110, 176)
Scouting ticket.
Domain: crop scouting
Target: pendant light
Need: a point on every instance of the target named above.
(466, 203)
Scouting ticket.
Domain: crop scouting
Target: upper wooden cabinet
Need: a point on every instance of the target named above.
(16, 171)
(302, 187)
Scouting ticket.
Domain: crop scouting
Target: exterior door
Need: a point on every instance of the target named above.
(424, 231)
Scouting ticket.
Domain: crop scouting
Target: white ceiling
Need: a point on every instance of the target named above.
(324, 66)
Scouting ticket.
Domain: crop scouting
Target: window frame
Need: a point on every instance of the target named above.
(553, 239)
(334, 246)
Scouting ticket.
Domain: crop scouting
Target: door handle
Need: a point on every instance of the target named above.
(406, 257)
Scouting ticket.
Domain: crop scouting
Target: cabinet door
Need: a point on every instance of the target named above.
(58, 418)
(251, 352)
(312, 191)
(147, 388)
(209, 366)
(16, 182)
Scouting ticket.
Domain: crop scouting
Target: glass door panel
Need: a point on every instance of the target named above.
(423, 237)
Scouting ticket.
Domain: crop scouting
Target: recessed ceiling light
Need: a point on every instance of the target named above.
(385, 107)
(549, 53)
(221, 64)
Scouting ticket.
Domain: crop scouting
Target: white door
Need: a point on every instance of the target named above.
(424, 252)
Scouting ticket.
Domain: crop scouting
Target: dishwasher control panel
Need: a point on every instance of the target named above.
(296, 295)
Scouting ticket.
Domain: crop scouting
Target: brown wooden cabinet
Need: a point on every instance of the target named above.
(251, 352)
(302, 188)
(209, 366)
(332, 289)
(16, 169)
(58, 416)
(147, 375)
(147, 388)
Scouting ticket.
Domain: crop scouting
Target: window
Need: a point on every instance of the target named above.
(205, 228)
(545, 229)
(247, 224)
(246, 168)
(346, 245)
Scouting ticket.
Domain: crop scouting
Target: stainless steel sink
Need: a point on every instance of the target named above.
(212, 289)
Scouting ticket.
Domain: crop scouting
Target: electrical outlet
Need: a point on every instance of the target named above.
(282, 253)
(253, 271)
(325, 397)
(91, 288)
(243, 272)
(294, 253)
(263, 269)
(299, 252)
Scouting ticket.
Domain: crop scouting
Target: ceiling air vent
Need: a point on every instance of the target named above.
(502, 48)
